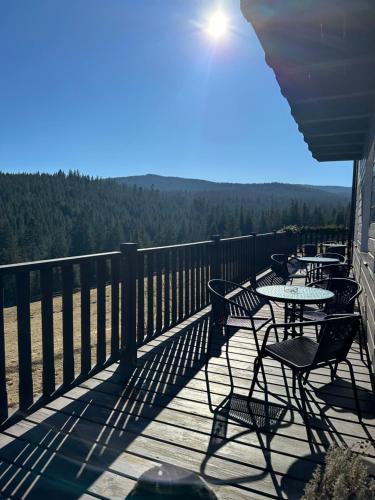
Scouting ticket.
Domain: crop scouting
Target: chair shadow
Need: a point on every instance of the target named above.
(338, 394)
(262, 418)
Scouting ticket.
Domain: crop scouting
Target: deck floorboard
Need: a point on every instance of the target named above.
(99, 437)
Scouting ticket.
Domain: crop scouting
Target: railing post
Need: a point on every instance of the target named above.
(128, 347)
(215, 260)
(274, 247)
(253, 267)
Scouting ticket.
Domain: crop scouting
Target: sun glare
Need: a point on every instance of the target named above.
(217, 25)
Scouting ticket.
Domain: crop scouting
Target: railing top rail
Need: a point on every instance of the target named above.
(170, 247)
(269, 234)
(237, 238)
(38, 264)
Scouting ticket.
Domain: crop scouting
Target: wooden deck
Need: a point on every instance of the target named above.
(97, 439)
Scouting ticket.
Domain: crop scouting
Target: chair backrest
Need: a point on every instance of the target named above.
(346, 292)
(309, 250)
(336, 249)
(335, 338)
(335, 271)
(332, 255)
(279, 265)
(219, 304)
(293, 265)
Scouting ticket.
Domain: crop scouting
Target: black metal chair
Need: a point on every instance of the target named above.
(346, 293)
(234, 313)
(303, 354)
(333, 255)
(336, 249)
(309, 250)
(286, 269)
(328, 271)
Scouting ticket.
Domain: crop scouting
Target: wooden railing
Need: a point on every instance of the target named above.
(320, 235)
(63, 319)
(46, 339)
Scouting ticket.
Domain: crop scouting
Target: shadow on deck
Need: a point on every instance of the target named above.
(98, 438)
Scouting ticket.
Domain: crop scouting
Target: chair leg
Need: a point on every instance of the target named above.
(294, 382)
(226, 331)
(209, 342)
(316, 332)
(355, 392)
(361, 341)
(304, 407)
(257, 364)
(333, 371)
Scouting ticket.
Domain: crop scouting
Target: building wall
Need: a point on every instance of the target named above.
(364, 241)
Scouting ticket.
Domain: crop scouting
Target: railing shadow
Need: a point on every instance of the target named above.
(64, 448)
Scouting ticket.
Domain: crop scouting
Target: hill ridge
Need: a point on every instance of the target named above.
(174, 183)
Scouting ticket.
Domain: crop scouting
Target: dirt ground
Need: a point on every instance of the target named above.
(11, 343)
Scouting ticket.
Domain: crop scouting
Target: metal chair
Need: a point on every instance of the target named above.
(303, 354)
(328, 271)
(336, 249)
(333, 255)
(309, 250)
(346, 293)
(286, 269)
(236, 312)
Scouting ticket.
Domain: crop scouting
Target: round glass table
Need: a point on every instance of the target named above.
(295, 295)
(316, 266)
(319, 260)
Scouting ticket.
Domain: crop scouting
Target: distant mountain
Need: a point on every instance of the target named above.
(297, 191)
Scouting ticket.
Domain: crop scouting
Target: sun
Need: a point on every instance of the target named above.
(217, 25)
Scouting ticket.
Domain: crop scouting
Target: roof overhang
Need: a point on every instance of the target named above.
(323, 56)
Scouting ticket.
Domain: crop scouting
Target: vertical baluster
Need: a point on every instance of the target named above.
(85, 275)
(24, 340)
(67, 310)
(167, 305)
(224, 261)
(198, 282)
(193, 279)
(159, 287)
(46, 287)
(174, 286)
(240, 260)
(115, 306)
(150, 295)
(204, 276)
(187, 280)
(141, 299)
(180, 284)
(100, 312)
(207, 272)
(3, 385)
(229, 257)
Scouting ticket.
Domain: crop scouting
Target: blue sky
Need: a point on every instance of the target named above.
(127, 87)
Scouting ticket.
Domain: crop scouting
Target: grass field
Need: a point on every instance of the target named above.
(11, 341)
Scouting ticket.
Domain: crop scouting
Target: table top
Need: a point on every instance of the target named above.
(298, 294)
(340, 245)
(319, 260)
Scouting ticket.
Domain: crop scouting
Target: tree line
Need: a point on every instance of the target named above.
(49, 216)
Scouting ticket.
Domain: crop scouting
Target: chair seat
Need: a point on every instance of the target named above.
(297, 353)
(297, 275)
(243, 322)
(316, 315)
